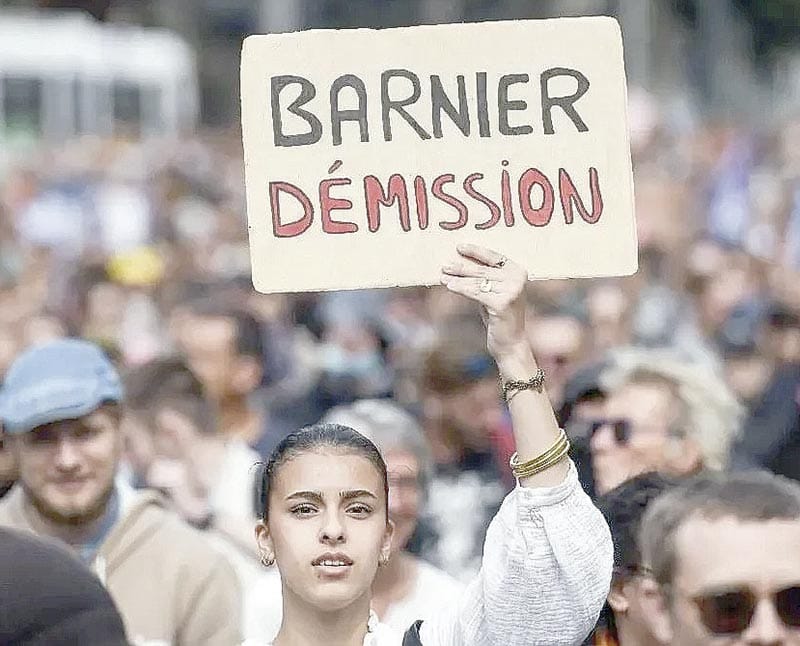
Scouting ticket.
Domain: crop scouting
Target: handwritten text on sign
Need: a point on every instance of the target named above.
(370, 154)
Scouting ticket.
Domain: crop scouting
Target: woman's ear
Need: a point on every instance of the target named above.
(386, 548)
(264, 541)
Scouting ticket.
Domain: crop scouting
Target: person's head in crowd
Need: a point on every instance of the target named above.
(782, 333)
(459, 383)
(724, 550)
(664, 414)
(608, 309)
(105, 305)
(558, 341)
(224, 347)
(747, 368)
(184, 452)
(584, 402)
(723, 288)
(632, 594)
(352, 362)
(50, 598)
(42, 328)
(584, 399)
(60, 406)
(320, 468)
(405, 450)
(166, 414)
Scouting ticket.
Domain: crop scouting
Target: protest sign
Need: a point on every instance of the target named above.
(369, 154)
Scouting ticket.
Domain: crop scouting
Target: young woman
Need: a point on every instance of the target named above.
(548, 556)
(407, 588)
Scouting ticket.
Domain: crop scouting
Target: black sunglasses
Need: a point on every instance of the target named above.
(730, 612)
(621, 427)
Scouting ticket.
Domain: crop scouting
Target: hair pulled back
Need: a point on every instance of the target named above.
(315, 438)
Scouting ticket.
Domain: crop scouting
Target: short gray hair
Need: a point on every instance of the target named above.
(389, 426)
(711, 414)
(749, 496)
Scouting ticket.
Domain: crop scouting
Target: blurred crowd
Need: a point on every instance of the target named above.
(691, 365)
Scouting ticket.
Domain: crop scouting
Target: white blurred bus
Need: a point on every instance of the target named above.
(63, 75)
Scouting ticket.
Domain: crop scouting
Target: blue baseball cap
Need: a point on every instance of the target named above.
(64, 379)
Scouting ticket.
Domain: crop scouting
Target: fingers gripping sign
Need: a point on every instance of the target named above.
(498, 284)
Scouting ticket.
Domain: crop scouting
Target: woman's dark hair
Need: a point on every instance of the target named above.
(313, 438)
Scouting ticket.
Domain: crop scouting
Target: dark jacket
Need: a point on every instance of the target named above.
(771, 437)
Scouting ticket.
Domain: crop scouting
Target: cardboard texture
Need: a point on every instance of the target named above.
(369, 154)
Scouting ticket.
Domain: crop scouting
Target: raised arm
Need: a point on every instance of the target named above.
(548, 556)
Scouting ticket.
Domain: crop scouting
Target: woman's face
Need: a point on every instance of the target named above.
(327, 528)
(405, 494)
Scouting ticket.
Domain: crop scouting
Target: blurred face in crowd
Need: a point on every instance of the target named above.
(209, 344)
(405, 494)
(736, 583)
(42, 329)
(138, 449)
(67, 468)
(638, 434)
(472, 410)
(327, 528)
(782, 341)
(556, 342)
(608, 316)
(747, 375)
(723, 291)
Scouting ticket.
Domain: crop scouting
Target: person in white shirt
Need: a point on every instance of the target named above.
(548, 556)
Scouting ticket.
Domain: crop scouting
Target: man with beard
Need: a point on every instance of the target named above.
(60, 406)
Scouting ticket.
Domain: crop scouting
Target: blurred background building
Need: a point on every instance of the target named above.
(731, 57)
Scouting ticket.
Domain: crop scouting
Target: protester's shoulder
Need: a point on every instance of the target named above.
(168, 531)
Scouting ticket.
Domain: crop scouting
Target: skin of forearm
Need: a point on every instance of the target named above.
(535, 427)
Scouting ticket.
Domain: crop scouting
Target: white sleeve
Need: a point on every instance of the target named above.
(545, 574)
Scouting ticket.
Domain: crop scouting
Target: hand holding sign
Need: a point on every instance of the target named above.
(369, 154)
(498, 284)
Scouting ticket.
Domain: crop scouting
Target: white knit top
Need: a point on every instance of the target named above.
(546, 572)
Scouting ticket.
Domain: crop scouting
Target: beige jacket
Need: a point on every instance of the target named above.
(170, 585)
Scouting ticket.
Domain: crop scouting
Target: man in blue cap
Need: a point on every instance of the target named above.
(61, 407)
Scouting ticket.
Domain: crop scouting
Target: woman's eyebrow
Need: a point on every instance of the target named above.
(356, 493)
(316, 496)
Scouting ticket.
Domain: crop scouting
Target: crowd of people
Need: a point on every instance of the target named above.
(124, 272)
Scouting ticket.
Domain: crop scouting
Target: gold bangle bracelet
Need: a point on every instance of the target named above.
(544, 461)
(515, 464)
(527, 473)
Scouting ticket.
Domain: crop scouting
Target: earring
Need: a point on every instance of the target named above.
(267, 560)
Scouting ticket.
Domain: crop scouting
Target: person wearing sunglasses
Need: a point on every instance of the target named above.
(662, 413)
(724, 550)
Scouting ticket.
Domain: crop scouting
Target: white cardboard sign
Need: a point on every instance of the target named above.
(369, 154)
